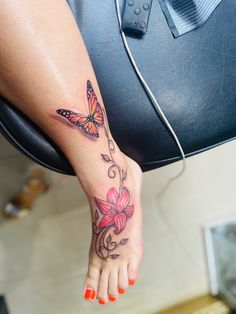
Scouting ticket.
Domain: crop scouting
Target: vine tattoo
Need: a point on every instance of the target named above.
(113, 212)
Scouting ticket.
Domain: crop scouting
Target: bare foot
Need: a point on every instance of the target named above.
(112, 182)
(117, 247)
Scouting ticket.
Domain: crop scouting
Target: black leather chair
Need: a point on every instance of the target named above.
(193, 77)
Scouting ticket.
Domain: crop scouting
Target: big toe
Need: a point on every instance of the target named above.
(91, 283)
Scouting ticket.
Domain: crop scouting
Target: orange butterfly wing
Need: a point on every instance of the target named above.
(73, 117)
(88, 124)
(95, 108)
(90, 128)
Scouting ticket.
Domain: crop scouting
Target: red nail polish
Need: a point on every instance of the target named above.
(88, 293)
(132, 282)
(101, 301)
(112, 298)
(93, 295)
(121, 291)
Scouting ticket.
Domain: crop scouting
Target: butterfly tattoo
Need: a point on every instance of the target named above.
(87, 123)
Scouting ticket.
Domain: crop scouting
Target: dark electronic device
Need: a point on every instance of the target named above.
(136, 16)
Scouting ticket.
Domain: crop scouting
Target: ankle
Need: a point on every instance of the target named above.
(98, 176)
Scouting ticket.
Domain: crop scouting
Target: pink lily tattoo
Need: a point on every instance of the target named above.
(114, 212)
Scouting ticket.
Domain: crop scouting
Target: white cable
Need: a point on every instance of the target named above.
(156, 106)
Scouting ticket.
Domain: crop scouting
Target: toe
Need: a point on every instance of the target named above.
(113, 285)
(132, 273)
(91, 283)
(122, 278)
(103, 287)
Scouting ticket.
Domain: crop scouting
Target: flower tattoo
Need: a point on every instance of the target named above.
(116, 209)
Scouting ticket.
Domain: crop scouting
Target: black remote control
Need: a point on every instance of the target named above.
(136, 16)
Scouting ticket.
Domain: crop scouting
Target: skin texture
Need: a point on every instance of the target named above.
(116, 209)
(40, 75)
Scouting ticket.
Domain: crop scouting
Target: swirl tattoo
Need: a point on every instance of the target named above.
(113, 212)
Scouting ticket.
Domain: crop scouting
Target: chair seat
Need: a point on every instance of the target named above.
(193, 78)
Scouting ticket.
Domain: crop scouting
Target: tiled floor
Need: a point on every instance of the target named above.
(43, 272)
(43, 258)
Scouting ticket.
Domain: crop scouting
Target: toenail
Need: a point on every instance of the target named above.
(121, 291)
(89, 294)
(132, 282)
(112, 298)
(93, 294)
(101, 301)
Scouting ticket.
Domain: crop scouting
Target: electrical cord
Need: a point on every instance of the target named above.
(154, 102)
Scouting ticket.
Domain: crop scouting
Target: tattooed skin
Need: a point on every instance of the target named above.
(112, 212)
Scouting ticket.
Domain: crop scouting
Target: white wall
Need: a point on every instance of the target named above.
(174, 267)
